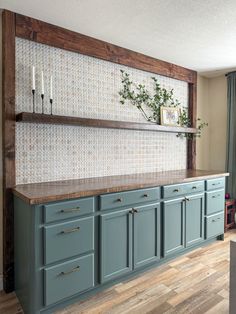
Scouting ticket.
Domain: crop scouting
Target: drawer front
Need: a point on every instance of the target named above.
(68, 239)
(215, 201)
(214, 225)
(213, 184)
(69, 278)
(115, 200)
(194, 187)
(173, 190)
(181, 189)
(68, 209)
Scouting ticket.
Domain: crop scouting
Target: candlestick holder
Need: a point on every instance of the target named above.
(33, 93)
(42, 97)
(51, 101)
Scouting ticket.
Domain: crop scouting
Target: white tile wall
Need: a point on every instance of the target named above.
(86, 87)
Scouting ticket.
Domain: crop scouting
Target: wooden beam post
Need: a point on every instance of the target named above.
(8, 142)
(191, 146)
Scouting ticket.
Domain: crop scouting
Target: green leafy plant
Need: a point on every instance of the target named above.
(185, 121)
(142, 99)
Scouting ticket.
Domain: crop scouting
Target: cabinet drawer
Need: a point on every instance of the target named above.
(181, 189)
(68, 239)
(68, 209)
(213, 184)
(194, 187)
(214, 225)
(114, 200)
(215, 201)
(69, 278)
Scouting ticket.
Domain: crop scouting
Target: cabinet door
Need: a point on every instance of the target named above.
(173, 226)
(194, 213)
(115, 244)
(146, 234)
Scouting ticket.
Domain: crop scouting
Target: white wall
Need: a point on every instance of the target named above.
(212, 107)
(218, 121)
(203, 143)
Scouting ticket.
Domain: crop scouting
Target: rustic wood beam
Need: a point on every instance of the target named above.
(44, 33)
(191, 145)
(8, 142)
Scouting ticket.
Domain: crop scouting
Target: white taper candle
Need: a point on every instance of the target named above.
(42, 82)
(33, 77)
(51, 94)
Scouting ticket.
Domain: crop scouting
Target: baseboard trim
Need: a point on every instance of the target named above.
(1, 282)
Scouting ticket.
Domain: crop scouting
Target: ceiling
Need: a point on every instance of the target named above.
(197, 34)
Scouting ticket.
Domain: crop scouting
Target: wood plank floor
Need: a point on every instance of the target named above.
(196, 283)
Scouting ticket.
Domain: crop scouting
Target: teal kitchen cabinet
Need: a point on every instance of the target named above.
(146, 234)
(68, 239)
(194, 219)
(183, 223)
(68, 278)
(66, 249)
(214, 212)
(130, 239)
(173, 226)
(214, 225)
(115, 244)
(215, 201)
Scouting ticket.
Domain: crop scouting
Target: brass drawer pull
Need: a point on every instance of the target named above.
(176, 190)
(70, 210)
(215, 196)
(216, 183)
(70, 230)
(131, 211)
(187, 199)
(135, 210)
(145, 195)
(119, 200)
(194, 187)
(69, 272)
(214, 220)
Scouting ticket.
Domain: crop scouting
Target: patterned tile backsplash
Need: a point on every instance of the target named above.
(86, 87)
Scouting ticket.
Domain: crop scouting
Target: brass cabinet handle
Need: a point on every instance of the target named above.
(145, 195)
(70, 210)
(70, 230)
(194, 187)
(215, 196)
(214, 220)
(119, 200)
(176, 190)
(69, 272)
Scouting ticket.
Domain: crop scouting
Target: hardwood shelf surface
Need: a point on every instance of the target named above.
(98, 123)
(37, 193)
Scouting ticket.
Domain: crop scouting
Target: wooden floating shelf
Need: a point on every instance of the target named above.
(98, 123)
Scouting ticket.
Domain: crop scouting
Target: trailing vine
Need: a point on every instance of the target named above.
(142, 99)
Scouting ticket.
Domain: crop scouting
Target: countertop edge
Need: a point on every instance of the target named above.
(114, 189)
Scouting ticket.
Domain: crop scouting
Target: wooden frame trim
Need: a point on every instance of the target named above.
(48, 34)
(191, 145)
(17, 25)
(8, 142)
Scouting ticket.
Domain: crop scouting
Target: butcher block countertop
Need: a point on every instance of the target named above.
(44, 192)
